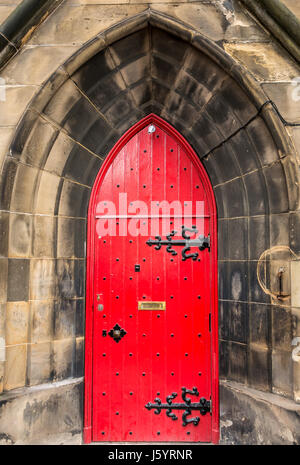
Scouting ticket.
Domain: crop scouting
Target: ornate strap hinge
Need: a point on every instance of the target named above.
(201, 242)
(203, 406)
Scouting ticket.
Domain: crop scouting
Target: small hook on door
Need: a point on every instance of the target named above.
(281, 295)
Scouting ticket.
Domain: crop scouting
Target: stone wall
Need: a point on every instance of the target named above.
(49, 414)
(215, 74)
(251, 417)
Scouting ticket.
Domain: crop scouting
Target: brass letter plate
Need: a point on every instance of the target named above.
(150, 305)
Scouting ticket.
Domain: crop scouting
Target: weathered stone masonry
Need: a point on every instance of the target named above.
(221, 80)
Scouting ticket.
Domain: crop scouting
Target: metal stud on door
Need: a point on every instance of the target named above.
(155, 273)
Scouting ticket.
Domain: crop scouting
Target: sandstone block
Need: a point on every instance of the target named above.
(265, 61)
(39, 363)
(41, 321)
(15, 367)
(17, 316)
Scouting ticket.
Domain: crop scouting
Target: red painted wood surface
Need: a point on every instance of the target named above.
(163, 350)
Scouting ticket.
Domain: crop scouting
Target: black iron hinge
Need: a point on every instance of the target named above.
(201, 242)
(187, 406)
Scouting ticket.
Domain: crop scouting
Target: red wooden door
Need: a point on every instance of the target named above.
(151, 331)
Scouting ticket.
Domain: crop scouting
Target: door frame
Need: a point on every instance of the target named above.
(88, 380)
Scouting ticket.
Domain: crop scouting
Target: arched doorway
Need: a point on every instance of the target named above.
(151, 337)
(81, 111)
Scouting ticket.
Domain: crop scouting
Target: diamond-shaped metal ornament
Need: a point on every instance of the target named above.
(117, 333)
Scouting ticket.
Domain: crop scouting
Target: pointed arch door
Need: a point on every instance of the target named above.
(151, 369)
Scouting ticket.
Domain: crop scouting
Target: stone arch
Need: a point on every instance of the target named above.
(148, 64)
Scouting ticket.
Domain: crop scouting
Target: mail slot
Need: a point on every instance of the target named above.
(150, 305)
